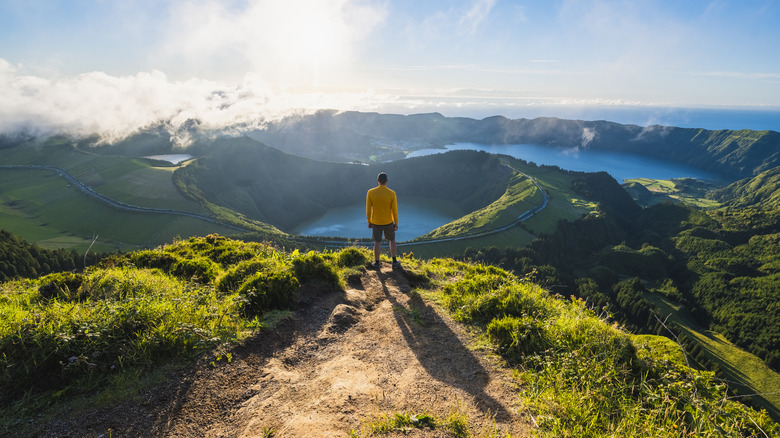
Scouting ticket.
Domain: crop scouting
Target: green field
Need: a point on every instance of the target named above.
(661, 190)
(134, 181)
(41, 206)
(744, 371)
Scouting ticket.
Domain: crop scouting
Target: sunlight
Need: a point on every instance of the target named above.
(309, 36)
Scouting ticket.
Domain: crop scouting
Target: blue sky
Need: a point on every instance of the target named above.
(134, 60)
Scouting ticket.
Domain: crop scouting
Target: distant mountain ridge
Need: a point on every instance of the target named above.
(266, 184)
(350, 136)
(735, 153)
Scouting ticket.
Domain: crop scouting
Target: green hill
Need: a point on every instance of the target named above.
(370, 136)
(265, 184)
(67, 337)
(761, 191)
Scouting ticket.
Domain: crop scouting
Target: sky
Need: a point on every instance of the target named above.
(116, 66)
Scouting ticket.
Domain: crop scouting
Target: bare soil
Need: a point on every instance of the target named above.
(344, 359)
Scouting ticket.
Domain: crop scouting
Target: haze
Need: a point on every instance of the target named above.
(114, 67)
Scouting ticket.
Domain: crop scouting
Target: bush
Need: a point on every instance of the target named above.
(232, 279)
(62, 285)
(266, 291)
(517, 337)
(314, 267)
(153, 259)
(199, 269)
(350, 257)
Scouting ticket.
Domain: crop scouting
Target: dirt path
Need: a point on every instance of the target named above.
(344, 359)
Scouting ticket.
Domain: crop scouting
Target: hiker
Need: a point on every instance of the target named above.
(382, 216)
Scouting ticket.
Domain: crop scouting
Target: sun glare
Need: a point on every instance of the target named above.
(310, 37)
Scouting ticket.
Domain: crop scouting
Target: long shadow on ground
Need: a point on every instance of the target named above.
(423, 328)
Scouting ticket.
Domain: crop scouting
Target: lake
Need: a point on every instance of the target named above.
(418, 216)
(620, 165)
(171, 158)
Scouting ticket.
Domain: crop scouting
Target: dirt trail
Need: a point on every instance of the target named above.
(345, 358)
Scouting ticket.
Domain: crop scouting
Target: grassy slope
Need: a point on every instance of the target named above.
(580, 375)
(137, 182)
(42, 208)
(667, 190)
(745, 372)
(133, 181)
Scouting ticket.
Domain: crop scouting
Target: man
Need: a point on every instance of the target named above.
(382, 215)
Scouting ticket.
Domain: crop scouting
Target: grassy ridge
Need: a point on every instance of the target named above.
(251, 183)
(648, 192)
(743, 370)
(521, 196)
(75, 332)
(134, 181)
(580, 375)
(41, 207)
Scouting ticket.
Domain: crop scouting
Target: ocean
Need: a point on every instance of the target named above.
(706, 118)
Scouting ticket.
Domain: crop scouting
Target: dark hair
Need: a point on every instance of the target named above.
(382, 178)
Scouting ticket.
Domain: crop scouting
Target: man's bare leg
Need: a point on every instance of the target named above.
(378, 250)
(393, 249)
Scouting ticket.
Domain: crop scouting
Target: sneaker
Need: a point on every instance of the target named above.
(376, 265)
(396, 265)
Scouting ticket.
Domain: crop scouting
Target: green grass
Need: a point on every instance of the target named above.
(41, 207)
(134, 181)
(742, 370)
(579, 375)
(521, 195)
(583, 376)
(73, 335)
(666, 190)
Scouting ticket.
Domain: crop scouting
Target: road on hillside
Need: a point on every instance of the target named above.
(114, 203)
(328, 243)
(523, 217)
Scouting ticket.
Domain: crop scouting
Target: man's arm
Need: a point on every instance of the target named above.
(368, 209)
(394, 206)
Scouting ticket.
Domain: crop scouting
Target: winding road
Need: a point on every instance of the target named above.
(114, 203)
(327, 243)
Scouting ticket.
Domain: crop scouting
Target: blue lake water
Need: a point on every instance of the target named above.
(621, 166)
(417, 216)
(422, 215)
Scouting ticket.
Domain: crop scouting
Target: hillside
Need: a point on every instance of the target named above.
(761, 191)
(718, 267)
(283, 190)
(354, 135)
(317, 345)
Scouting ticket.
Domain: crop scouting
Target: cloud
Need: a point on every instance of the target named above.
(293, 41)
(116, 106)
(588, 135)
(476, 14)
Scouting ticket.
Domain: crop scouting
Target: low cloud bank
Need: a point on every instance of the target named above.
(114, 107)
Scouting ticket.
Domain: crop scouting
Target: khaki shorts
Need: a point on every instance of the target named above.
(388, 229)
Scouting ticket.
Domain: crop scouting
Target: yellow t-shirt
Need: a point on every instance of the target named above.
(381, 206)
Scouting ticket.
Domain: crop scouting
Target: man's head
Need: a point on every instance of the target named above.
(382, 178)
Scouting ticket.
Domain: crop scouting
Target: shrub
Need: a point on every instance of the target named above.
(350, 257)
(314, 267)
(199, 269)
(62, 285)
(232, 279)
(517, 337)
(266, 291)
(153, 259)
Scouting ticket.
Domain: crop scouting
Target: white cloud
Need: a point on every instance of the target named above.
(116, 106)
(476, 14)
(293, 41)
